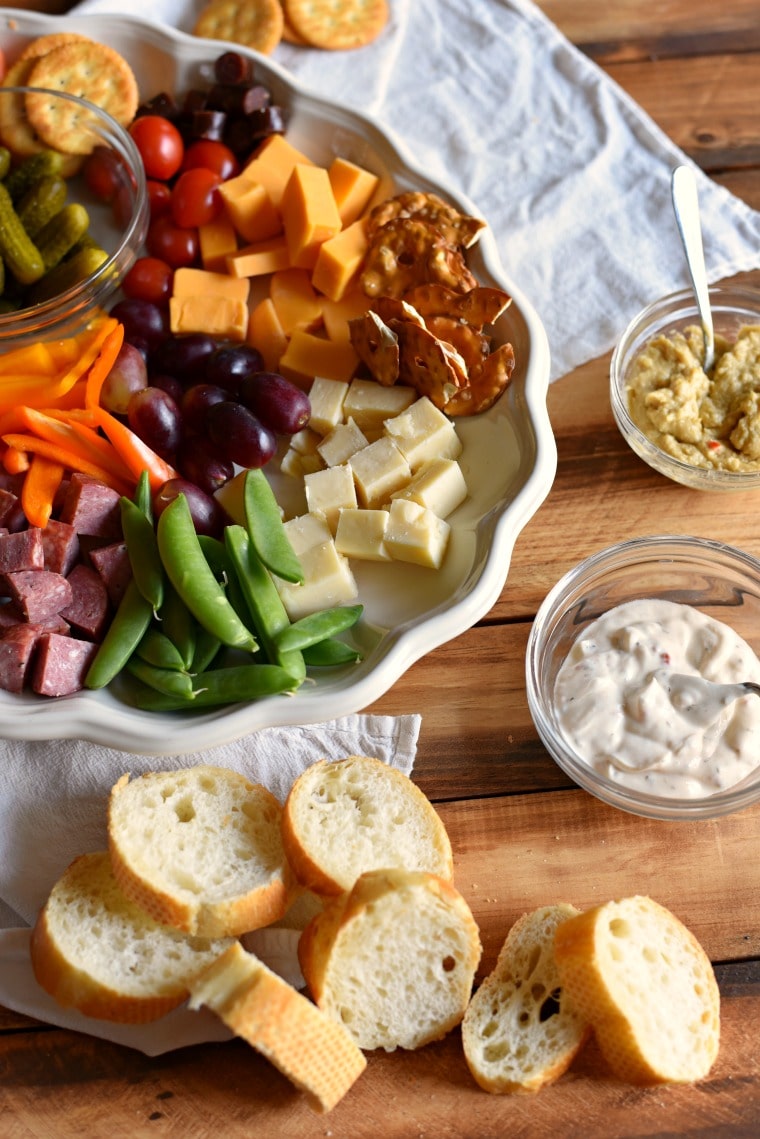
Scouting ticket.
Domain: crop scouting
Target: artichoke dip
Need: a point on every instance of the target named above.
(620, 714)
(707, 421)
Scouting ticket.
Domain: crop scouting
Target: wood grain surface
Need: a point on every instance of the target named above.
(522, 834)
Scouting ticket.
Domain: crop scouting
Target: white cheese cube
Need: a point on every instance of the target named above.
(305, 441)
(361, 534)
(291, 465)
(379, 469)
(415, 534)
(326, 398)
(422, 432)
(305, 531)
(341, 443)
(439, 485)
(328, 581)
(328, 491)
(370, 403)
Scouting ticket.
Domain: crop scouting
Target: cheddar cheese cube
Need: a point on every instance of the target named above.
(352, 187)
(294, 299)
(272, 165)
(250, 209)
(217, 239)
(217, 315)
(309, 213)
(339, 260)
(336, 314)
(259, 258)
(266, 333)
(308, 355)
(188, 282)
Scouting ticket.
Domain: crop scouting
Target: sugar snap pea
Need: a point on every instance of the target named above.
(217, 686)
(266, 530)
(316, 627)
(206, 648)
(193, 579)
(157, 649)
(329, 653)
(166, 680)
(142, 497)
(142, 549)
(218, 558)
(179, 625)
(124, 634)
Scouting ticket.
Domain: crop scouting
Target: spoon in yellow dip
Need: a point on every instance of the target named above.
(686, 205)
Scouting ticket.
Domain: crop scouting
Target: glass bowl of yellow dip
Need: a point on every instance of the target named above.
(700, 430)
(605, 662)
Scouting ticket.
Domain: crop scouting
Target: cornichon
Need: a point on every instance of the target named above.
(41, 165)
(5, 161)
(61, 233)
(19, 252)
(67, 274)
(41, 203)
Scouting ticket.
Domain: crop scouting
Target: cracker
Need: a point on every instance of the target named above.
(338, 25)
(15, 130)
(43, 44)
(90, 70)
(256, 24)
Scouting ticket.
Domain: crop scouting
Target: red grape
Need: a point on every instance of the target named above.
(196, 403)
(207, 514)
(156, 418)
(278, 402)
(229, 365)
(127, 376)
(198, 461)
(239, 435)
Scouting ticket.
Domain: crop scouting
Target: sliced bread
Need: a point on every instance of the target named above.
(314, 1052)
(200, 849)
(520, 1032)
(94, 950)
(344, 817)
(646, 985)
(394, 959)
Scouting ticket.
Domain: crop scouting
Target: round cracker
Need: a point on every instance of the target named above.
(16, 131)
(91, 71)
(338, 25)
(43, 44)
(256, 24)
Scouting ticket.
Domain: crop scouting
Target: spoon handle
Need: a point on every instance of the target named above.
(686, 207)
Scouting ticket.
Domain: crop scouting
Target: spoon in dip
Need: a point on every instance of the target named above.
(698, 700)
(686, 206)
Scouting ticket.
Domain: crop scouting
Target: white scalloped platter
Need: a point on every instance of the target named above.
(509, 456)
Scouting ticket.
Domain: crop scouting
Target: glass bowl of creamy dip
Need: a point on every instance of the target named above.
(699, 429)
(626, 665)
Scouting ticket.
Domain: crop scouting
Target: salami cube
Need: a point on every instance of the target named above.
(9, 616)
(60, 543)
(113, 564)
(60, 664)
(91, 507)
(22, 551)
(38, 594)
(8, 503)
(17, 646)
(88, 611)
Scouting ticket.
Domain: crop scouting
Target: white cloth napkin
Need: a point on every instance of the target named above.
(571, 174)
(53, 797)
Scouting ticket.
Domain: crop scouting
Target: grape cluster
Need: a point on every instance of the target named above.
(202, 405)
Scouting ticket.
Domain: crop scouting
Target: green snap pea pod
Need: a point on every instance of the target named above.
(266, 530)
(192, 577)
(316, 627)
(329, 653)
(124, 634)
(206, 648)
(237, 684)
(165, 680)
(157, 649)
(142, 548)
(219, 560)
(268, 613)
(142, 497)
(179, 625)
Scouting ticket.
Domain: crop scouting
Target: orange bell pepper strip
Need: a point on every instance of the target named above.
(135, 454)
(39, 489)
(68, 458)
(73, 435)
(82, 364)
(15, 461)
(102, 365)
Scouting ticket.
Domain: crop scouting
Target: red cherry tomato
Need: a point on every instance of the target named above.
(103, 173)
(195, 197)
(149, 280)
(160, 145)
(171, 243)
(159, 197)
(211, 155)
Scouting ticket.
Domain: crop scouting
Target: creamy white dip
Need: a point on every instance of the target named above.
(615, 709)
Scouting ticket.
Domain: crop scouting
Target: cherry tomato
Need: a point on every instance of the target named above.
(211, 155)
(171, 243)
(195, 198)
(103, 173)
(160, 145)
(149, 280)
(159, 196)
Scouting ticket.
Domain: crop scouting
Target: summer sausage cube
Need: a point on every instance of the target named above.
(60, 664)
(8, 502)
(17, 646)
(22, 551)
(113, 564)
(38, 594)
(60, 543)
(91, 507)
(88, 611)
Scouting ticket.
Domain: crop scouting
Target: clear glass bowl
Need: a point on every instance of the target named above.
(720, 580)
(118, 227)
(732, 308)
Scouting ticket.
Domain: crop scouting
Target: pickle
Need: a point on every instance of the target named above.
(2, 276)
(40, 203)
(63, 231)
(41, 165)
(67, 274)
(5, 161)
(20, 254)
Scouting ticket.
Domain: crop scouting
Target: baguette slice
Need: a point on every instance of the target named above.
(94, 950)
(347, 816)
(520, 1032)
(315, 1053)
(394, 959)
(647, 987)
(200, 849)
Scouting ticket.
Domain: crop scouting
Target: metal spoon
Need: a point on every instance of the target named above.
(686, 206)
(698, 700)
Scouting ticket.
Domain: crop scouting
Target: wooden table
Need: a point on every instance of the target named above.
(522, 834)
